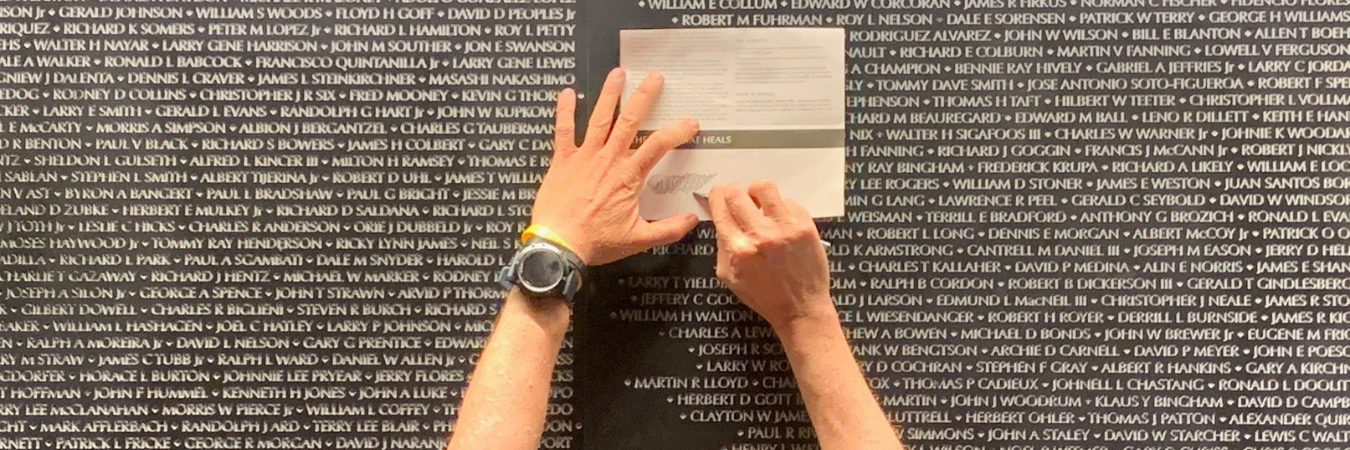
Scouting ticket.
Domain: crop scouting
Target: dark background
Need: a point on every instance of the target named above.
(129, 336)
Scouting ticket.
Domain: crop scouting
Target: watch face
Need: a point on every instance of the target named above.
(540, 270)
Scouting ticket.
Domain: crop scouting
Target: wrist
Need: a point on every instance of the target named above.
(550, 314)
(562, 236)
(822, 319)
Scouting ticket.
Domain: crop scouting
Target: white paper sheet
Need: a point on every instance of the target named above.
(770, 104)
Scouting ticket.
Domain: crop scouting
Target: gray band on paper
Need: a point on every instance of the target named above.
(760, 139)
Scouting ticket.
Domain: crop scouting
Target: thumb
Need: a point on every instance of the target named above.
(666, 231)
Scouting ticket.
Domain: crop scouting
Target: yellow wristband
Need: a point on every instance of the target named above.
(544, 232)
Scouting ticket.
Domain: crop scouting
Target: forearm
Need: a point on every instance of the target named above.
(843, 411)
(505, 404)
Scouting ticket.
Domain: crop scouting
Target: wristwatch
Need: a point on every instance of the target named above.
(544, 268)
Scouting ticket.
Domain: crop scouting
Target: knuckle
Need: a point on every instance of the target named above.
(775, 244)
(804, 215)
(633, 181)
(760, 186)
(629, 119)
(803, 233)
(601, 121)
(744, 250)
(662, 139)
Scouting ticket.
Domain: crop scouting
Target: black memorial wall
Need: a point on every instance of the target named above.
(264, 225)
(1072, 224)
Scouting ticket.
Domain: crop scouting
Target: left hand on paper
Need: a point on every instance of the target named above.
(589, 196)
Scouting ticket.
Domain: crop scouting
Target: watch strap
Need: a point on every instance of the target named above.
(506, 277)
(571, 285)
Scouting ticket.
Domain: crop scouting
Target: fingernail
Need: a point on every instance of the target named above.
(691, 122)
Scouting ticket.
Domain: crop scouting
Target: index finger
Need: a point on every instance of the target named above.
(743, 209)
(798, 213)
(725, 225)
(766, 195)
(661, 142)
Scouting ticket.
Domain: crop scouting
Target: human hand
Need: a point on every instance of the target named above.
(589, 196)
(769, 253)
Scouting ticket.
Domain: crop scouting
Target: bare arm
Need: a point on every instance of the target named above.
(505, 404)
(769, 254)
(589, 199)
(842, 408)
